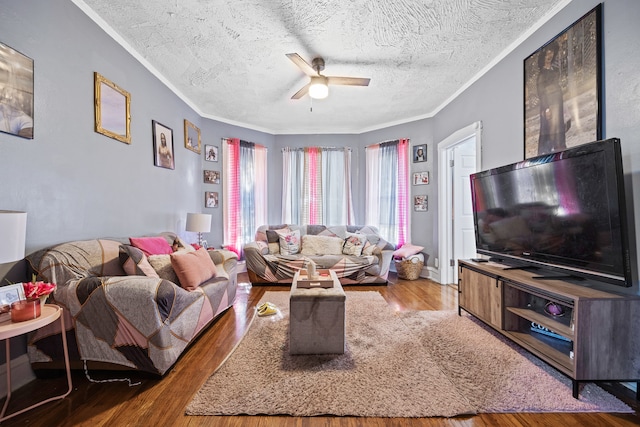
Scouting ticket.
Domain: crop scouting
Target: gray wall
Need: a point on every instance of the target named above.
(75, 183)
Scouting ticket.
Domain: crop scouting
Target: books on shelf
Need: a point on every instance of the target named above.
(535, 327)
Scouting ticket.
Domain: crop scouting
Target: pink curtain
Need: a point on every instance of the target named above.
(232, 208)
(403, 191)
(312, 202)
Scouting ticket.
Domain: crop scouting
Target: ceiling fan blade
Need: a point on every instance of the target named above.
(302, 64)
(349, 81)
(302, 92)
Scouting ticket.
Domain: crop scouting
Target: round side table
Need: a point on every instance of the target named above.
(8, 329)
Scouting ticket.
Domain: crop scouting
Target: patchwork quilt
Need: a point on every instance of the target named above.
(132, 322)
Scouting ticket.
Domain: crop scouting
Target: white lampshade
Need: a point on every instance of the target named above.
(200, 223)
(318, 88)
(13, 233)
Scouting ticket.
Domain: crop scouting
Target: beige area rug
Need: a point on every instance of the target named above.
(397, 364)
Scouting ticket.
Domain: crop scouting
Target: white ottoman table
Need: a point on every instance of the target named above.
(317, 318)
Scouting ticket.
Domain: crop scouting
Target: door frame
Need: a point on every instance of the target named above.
(445, 191)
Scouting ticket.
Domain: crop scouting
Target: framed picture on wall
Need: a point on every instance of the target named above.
(16, 92)
(420, 203)
(191, 136)
(162, 146)
(112, 110)
(211, 153)
(420, 153)
(211, 199)
(211, 177)
(562, 89)
(421, 178)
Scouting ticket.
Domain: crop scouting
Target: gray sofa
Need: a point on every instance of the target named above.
(267, 264)
(118, 321)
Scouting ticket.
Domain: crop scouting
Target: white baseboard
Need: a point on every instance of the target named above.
(431, 273)
(21, 374)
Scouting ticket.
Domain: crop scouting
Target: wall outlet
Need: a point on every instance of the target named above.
(436, 262)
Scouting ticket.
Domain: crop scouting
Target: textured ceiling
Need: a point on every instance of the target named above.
(227, 58)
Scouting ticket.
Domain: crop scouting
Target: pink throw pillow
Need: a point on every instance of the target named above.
(193, 268)
(151, 245)
(407, 250)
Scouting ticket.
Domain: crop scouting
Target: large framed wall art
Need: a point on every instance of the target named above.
(562, 89)
(16, 92)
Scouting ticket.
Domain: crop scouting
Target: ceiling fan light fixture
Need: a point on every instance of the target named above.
(318, 89)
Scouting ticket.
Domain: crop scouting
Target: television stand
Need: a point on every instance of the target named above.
(558, 277)
(593, 339)
(521, 267)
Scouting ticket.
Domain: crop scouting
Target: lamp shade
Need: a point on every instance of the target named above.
(198, 222)
(318, 89)
(13, 232)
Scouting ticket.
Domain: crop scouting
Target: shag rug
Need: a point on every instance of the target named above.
(397, 364)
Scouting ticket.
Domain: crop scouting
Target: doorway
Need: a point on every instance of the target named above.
(459, 155)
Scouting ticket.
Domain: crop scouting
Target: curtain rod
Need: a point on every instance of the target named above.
(383, 142)
(254, 143)
(324, 148)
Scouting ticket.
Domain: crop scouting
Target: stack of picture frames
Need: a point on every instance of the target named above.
(420, 201)
(211, 176)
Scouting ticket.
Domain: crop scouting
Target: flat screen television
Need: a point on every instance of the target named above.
(563, 213)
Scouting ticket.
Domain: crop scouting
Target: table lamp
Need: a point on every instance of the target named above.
(200, 223)
(13, 232)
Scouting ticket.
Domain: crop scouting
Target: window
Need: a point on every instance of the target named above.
(316, 186)
(245, 192)
(387, 193)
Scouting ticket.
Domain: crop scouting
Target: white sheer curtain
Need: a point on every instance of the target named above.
(316, 186)
(387, 200)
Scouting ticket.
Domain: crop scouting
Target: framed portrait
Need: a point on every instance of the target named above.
(420, 153)
(563, 89)
(211, 153)
(420, 203)
(420, 178)
(16, 96)
(191, 137)
(210, 199)
(211, 177)
(162, 146)
(11, 293)
(112, 109)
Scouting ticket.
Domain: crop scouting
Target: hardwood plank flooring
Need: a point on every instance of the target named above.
(161, 402)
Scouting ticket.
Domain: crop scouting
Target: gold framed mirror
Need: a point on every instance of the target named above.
(112, 109)
(191, 136)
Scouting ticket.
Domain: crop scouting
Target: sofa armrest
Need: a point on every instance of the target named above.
(127, 294)
(225, 260)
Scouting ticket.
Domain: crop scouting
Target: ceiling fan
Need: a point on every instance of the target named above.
(318, 86)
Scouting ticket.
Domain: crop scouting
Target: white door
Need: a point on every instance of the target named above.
(451, 175)
(463, 165)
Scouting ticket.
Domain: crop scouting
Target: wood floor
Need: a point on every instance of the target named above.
(161, 402)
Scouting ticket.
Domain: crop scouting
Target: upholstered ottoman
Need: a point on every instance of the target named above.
(317, 319)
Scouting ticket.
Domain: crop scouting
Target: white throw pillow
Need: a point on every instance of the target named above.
(321, 245)
(353, 244)
(289, 242)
